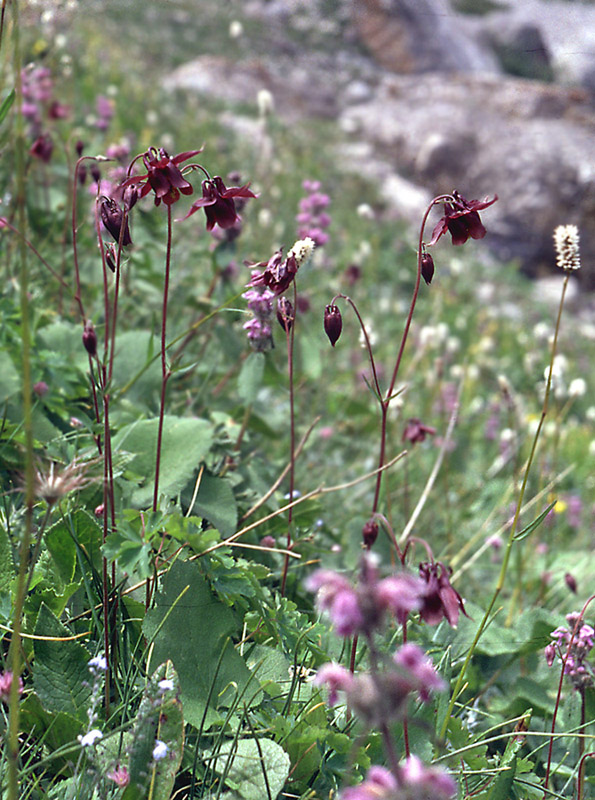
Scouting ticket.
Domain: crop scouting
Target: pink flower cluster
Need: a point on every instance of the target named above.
(380, 697)
(361, 608)
(414, 781)
(581, 674)
(6, 684)
(312, 219)
(258, 328)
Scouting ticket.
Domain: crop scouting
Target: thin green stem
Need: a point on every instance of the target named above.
(515, 521)
(14, 655)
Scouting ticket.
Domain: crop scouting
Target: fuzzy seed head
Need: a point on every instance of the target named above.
(566, 242)
(302, 250)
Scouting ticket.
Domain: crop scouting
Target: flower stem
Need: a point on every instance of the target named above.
(515, 522)
(290, 337)
(165, 372)
(14, 654)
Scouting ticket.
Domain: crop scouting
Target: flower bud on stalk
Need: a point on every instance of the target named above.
(285, 314)
(427, 268)
(90, 339)
(333, 323)
(369, 533)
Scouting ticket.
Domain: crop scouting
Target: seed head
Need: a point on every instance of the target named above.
(566, 242)
(302, 250)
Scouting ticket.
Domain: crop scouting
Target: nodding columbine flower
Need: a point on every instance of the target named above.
(566, 242)
(461, 219)
(112, 217)
(218, 202)
(415, 431)
(42, 148)
(6, 685)
(163, 176)
(439, 599)
(333, 323)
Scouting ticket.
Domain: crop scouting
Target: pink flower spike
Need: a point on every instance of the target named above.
(336, 678)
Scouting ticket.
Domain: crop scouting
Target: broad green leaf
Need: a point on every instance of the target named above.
(194, 635)
(6, 104)
(54, 730)
(6, 562)
(65, 338)
(10, 382)
(135, 371)
(251, 760)
(62, 538)
(61, 674)
(215, 502)
(186, 441)
(159, 718)
(250, 377)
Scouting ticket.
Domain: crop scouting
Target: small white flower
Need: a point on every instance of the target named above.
(302, 250)
(566, 241)
(265, 102)
(89, 739)
(365, 211)
(98, 663)
(160, 750)
(236, 29)
(166, 685)
(577, 388)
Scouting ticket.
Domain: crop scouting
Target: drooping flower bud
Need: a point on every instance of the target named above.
(112, 217)
(285, 313)
(111, 256)
(333, 323)
(427, 268)
(95, 172)
(90, 339)
(570, 581)
(369, 533)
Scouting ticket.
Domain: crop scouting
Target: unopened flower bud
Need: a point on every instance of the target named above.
(370, 533)
(111, 256)
(285, 313)
(427, 267)
(95, 173)
(130, 196)
(99, 510)
(113, 218)
(333, 323)
(570, 581)
(82, 174)
(79, 147)
(40, 388)
(90, 339)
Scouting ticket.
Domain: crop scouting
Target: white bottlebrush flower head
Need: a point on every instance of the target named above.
(566, 242)
(302, 250)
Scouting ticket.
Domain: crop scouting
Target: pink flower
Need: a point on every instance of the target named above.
(6, 685)
(336, 678)
(419, 668)
(120, 776)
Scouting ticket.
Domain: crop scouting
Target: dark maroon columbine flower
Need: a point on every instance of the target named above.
(112, 217)
(461, 219)
(278, 272)
(218, 203)
(415, 431)
(333, 323)
(163, 176)
(439, 599)
(42, 148)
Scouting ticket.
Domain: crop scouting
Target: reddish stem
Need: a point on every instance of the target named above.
(290, 337)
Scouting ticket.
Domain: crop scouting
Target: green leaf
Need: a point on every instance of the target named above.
(186, 442)
(500, 789)
(9, 377)
(61, 674)
(134, 368)
(258, 769)
(159, 718)
(216, 502)
(53, 730)
(79, 529)
(6, 104)
(250, 377)
(535, 524)
(194, 635)
(6, 562)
